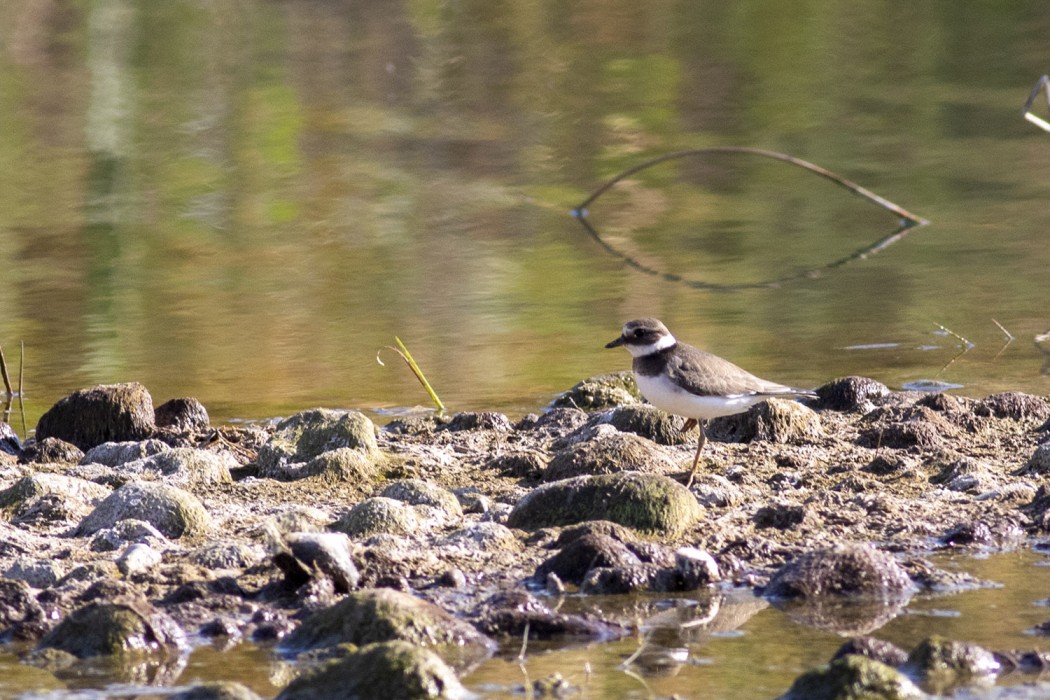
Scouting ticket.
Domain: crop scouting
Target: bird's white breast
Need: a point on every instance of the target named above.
(668, 396)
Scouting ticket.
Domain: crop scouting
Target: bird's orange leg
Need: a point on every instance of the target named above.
(696, 460)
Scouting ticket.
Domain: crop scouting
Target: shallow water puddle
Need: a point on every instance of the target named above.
(728, 645)
(754, 650)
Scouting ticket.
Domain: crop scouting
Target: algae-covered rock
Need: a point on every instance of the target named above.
(607, 454)
(652, 423)
(171, 510)
(421, 493)
(105, 413)
(217, 690)
(75, 495)
(121, 626)
(849, 569)
(644, 502)
(853, 677)
(344, 464)
(602, 391)
(942, 663)
(380, 671)
(306, 435)
(383, 615)
(377, 515)
(776, 420)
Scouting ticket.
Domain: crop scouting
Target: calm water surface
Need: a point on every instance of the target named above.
(749, 651)
(245, 202)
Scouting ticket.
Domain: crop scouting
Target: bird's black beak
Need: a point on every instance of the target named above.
(615, 343)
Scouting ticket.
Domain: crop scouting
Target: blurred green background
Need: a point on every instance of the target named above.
(244, 201)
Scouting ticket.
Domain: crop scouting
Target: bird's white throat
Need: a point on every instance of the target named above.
(642, 350)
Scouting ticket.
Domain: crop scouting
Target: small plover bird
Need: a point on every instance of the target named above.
(689, 382)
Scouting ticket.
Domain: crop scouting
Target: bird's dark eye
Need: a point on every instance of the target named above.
(639, 332)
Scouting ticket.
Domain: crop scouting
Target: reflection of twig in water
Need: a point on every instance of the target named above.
(1041, 85)
(965, 344)
(1009, 339)
(1040, 340)
(907, 219)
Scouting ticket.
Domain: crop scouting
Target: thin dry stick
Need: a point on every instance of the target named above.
(407, 357)
(966, 345)
(3, 372)
(1041, 85)
(581, 210)
(524, 644)
(21, 384)
(1009, 339)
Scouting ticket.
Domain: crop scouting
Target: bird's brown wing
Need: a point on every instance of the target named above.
(717, 376)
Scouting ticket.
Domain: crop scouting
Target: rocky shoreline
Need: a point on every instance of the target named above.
(389, 562)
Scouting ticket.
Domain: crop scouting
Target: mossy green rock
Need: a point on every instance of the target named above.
(176, 513)
(383, 615)
(602, 391)
(646, 502)
(381, 671)
(115, 628)
(218, 690)
(308, 434)
(942, 663)
(70, 489)
(853, 677)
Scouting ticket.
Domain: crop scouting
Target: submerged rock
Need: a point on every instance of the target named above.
(171, 510)
(218, 690)
(382, 615)
(644, 502)
(853, 677)
(886, 652)
(380, 671)
(942, 663)
(105, 413)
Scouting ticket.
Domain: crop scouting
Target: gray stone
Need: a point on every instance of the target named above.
(112, 454)
(383, 615)
(374, 516)
(171, 510)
